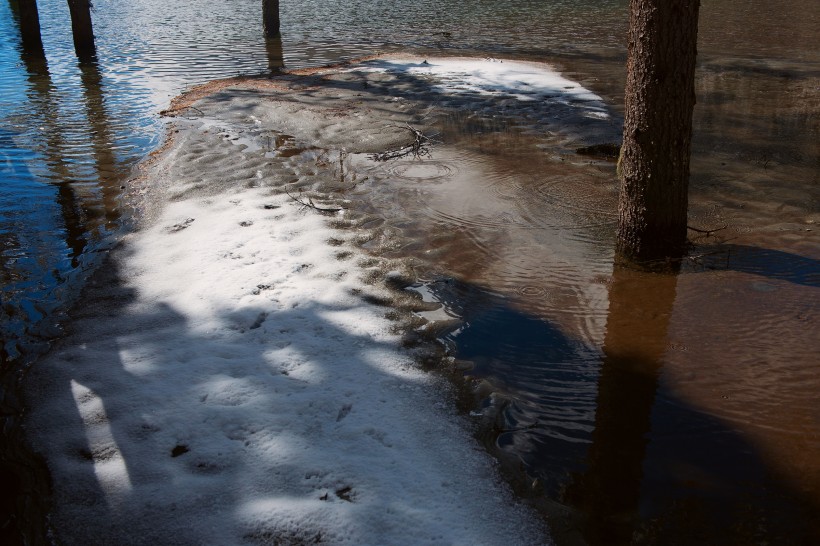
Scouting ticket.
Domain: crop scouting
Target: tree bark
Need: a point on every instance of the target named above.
(270, 17)
(660, 97)
(82, 29)
(30, 28)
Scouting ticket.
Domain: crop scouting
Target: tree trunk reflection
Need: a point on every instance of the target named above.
(102, 140)
(276, 58)
(608, 492)
(71, 205)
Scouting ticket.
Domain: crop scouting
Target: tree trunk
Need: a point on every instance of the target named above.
(270, 17)
(660, 97)
(30, 28)
(82, 29)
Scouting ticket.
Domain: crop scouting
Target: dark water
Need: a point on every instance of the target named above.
(650, 409)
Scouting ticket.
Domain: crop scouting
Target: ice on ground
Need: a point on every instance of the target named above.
(225, 382)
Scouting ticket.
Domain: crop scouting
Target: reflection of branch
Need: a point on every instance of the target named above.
(420, 147)
(519, 429)
(307, 203)
(698, 259)
(708, 232)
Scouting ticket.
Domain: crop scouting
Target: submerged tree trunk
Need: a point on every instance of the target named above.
(82, 29)
(660, 98)
(30, 28)
(270, 17)
(276, 57)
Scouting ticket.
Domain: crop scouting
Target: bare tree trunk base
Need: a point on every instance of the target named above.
(660, 97)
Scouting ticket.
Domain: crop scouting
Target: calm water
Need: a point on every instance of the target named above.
(630, 407)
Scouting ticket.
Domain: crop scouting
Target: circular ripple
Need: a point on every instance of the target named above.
(576, 194)
(423, 170)
(531, 291)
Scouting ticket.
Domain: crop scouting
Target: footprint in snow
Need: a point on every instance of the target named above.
(180, 226)
(179, 449)
(259, 320)
(343, 412)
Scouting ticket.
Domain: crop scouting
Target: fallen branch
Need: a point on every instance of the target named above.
(420, 147)
(307, 203)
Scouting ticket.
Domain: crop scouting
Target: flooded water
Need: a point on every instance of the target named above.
(630, 407)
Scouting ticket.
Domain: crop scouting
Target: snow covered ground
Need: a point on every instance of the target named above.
(497, 78)
(226, 382)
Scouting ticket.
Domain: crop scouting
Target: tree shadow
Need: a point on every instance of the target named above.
(763, 262)
(599, 442)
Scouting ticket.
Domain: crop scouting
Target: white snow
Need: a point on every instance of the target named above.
(235, 389)
(520, 80)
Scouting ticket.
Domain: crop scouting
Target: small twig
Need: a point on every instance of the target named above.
(201, 113)
(307, 203)
(179, 112)
(707, 232)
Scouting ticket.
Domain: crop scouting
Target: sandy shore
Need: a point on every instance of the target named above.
(236, 372)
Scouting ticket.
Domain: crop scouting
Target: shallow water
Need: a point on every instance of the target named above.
(649, 407)
(715, 433)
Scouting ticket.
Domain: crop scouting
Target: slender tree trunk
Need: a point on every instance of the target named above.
(660, 97)
(82, 29)
(30, 28)
(270, 17)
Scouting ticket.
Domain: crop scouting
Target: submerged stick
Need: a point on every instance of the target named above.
(420, 147)
(307, 203)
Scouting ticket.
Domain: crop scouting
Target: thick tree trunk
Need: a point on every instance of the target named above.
(270, 17)
(30, 28)
(82, 29)
(660, 97)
